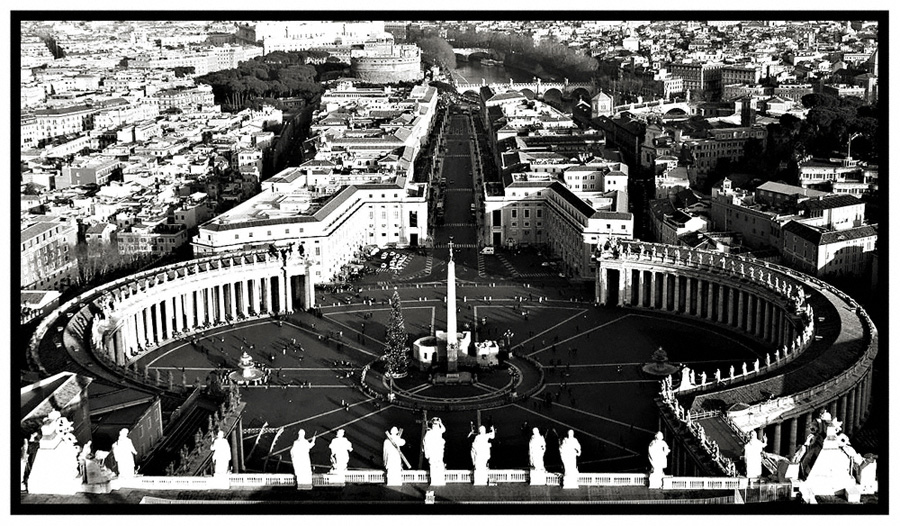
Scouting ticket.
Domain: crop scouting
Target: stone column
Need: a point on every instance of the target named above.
(832, 407)
(653, 302)
(842, 409)
(625, 287)
(776, 439)
(245, 297)
(760, 316)
(710, 301)
(255, 295)
(867, 393)
(220, 292)
(201, 305)
(153, 327)
(190, 310)
(232, 290)
(792, 437)
(141, 327)
(601, 284)
(179, 312)
(721, 302)
(676, 293)
(131, 340)
(640, 288)
(287, 304)
(168, 320)
(278, 296)
(690, 296)
(740, 310)
(850, 425)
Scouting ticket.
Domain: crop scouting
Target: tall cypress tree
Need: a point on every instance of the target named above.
(395, 352)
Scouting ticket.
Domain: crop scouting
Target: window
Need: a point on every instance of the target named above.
(513, 215)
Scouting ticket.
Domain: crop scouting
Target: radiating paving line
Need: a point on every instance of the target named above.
(582, 333)
(568, 426)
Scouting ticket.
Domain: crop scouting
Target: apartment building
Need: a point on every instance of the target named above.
(47, 252)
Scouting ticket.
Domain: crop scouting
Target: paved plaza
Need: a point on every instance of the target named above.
(591, 359)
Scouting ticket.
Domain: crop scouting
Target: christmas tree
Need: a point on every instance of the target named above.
(395, 351)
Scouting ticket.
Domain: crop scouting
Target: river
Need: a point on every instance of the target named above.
(473, 72)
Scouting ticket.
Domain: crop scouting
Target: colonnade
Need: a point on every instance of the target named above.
(758, 313)
(851, 407)
(149, 312)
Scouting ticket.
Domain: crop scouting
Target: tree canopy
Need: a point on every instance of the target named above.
(278, 74)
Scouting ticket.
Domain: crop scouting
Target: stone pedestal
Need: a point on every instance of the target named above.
(480, 477)
(304, 480)
(571, 481)
(656, 480)
(538, 477)
(394, 477)
(792, 472)
(852, 494)
(335, 479)
(436, 477)
(55, 467)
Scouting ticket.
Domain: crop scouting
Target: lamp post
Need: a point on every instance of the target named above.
(850, 140)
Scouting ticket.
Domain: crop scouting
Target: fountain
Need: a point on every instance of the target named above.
(248, 372)
(659, 366)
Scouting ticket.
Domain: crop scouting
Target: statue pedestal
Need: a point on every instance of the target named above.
(220, 482)
(480, 477)
(437, 476)
(335, 479)
(393, 477)
(656, 480)
(55, 468)
(304, 480)
(570, 481)
(792, 472)
(538, 477)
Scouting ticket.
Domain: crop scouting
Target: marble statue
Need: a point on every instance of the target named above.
(569, 451)
(731, 372)
(340, 452)
(481, 448)
(718, 375)
(700, 258)
(703, 378)
(657, 453)
(744, 369)
(433, 446)
(392, 456)
(753, 451)
(536, 448)
(300, 458)
(221, 454)
(124, 452)
(693, 377)
(768, 359)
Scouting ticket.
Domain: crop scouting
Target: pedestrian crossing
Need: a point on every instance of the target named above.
(536, 275)
(481, 272)
(460, 224)
(465, 155)
(509, 266)
(458, 190)
(455, 245)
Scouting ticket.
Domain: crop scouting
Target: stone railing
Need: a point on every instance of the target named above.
(495, 476)
(705, 483)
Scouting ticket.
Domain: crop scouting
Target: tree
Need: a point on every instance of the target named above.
(436, 50)
(395, 351)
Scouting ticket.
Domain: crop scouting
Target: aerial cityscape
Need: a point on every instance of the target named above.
(372, 263)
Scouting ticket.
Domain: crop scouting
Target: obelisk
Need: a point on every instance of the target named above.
(452, 339)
